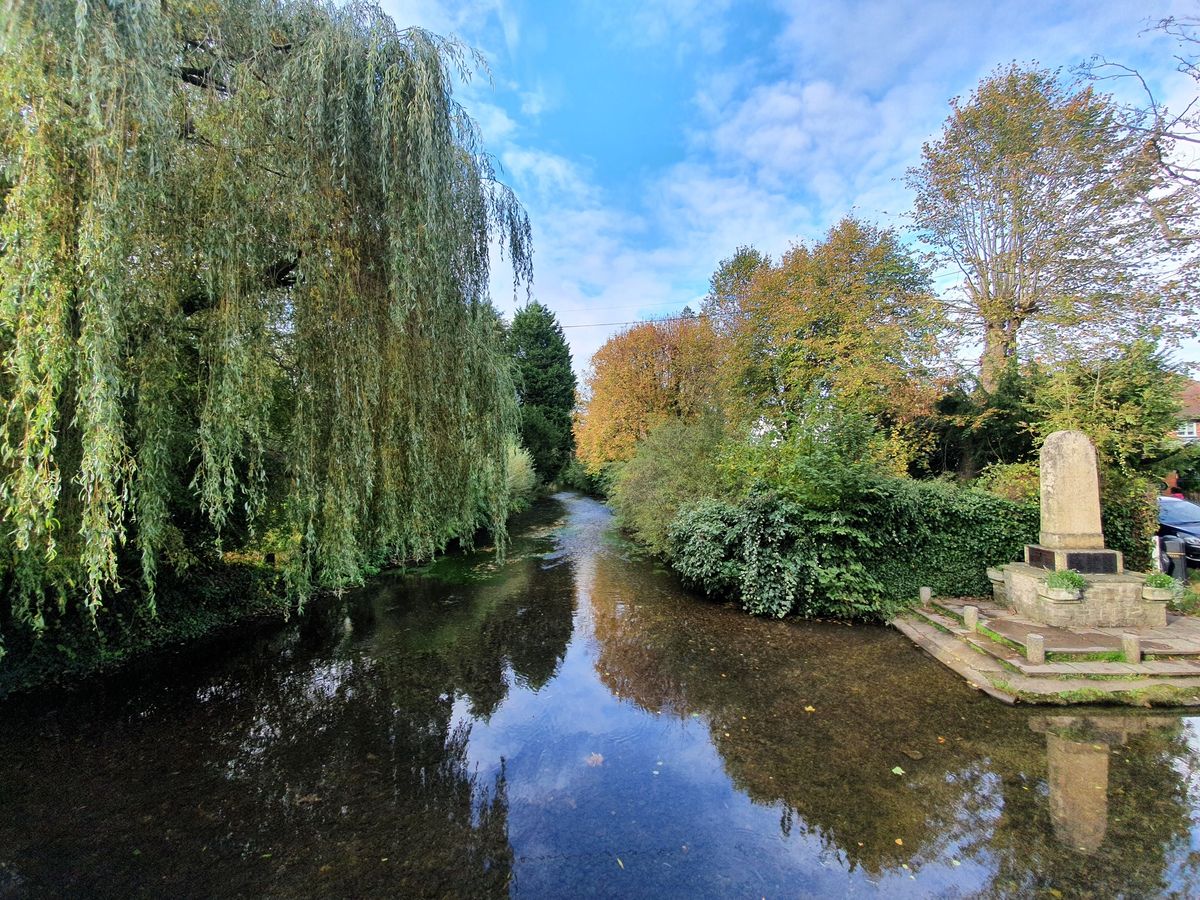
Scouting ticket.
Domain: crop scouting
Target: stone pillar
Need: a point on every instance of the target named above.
(1070, 493)
(926, 595)
(971, 618)
(1035, 649)
(1131, 646)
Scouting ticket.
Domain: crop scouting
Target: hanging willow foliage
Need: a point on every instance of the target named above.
(244, 265)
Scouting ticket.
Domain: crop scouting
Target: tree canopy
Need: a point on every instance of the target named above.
(1065, 228)
(852, 317)
(642, 377)
(243, 277)
(545, 387)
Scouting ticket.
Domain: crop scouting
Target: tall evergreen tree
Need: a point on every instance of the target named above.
(545, 386)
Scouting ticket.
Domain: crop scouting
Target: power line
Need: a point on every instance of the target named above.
(639, 321)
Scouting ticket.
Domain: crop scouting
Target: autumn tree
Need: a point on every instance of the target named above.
(545, 387)
(244, 263)
(1064, 227)
(729, 287)
(642, 377)
(851, 318)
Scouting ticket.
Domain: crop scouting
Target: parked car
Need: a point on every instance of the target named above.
(1181, 519)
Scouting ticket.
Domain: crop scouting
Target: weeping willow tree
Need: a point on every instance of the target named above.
(243, 269)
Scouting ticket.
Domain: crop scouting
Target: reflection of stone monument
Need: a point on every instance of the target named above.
(1071, 538)
(1077, 753)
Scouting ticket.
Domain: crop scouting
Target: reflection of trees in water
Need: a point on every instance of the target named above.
(301, 769)
(981, 791)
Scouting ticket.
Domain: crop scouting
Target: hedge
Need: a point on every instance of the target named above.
(865, 559)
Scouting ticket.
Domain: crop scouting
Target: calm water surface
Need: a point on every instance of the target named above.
(573, 724)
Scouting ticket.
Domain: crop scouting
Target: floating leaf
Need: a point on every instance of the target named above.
(619, 863)
(898, 771)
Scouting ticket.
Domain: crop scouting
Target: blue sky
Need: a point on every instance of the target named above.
(648, 140)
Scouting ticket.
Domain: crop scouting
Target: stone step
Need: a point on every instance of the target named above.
(1071, 668)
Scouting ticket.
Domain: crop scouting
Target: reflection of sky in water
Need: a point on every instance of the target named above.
(571, 723)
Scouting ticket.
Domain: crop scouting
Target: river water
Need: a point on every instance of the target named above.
(572, 724)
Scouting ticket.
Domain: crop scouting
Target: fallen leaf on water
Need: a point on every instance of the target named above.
(899, 842)
(913, 754)
(941, 740)
(595, 759)
(898, 771)
(810, 709)
(619, 863)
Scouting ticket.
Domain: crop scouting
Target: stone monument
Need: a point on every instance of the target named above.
(1072, 538)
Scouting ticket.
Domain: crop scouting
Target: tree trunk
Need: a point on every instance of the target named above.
(999, 346)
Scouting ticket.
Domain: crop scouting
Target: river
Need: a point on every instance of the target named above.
(572, 723)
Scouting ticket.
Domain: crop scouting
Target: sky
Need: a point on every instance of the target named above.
(649, 140)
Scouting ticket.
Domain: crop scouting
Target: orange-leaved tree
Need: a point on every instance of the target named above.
(641, 377)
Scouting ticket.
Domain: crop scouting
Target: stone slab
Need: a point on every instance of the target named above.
(1070, 493)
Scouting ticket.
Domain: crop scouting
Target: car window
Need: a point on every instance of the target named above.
(1178, 512)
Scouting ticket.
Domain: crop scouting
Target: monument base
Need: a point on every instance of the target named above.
(1109, 601)
(1086, 562)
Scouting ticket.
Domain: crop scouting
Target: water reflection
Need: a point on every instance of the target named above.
(571, 723)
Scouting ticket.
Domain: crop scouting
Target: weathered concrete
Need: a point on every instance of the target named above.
(1007, 675)
(1131, 646)
(996, 577)
(1110, 601)
(1035, 649)
(971, 617)
(1070, 488)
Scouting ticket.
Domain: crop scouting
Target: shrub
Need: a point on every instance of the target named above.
(1160, 580)
(1067, 580)
(677, 463)
(862, 559)
(576, 477)
(522, 479)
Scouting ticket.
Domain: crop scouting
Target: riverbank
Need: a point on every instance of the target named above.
(223, 600)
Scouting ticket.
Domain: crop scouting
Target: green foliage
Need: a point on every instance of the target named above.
(1127, 402)
(1066, 580)
(545, 387)
(1128, 509)
(862, 559)
(1161, 580)
(244, 280)
(522, 479)
(677, 463)
(1129, 516)
(577, 477)
(821, 459)
(1012, 481)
